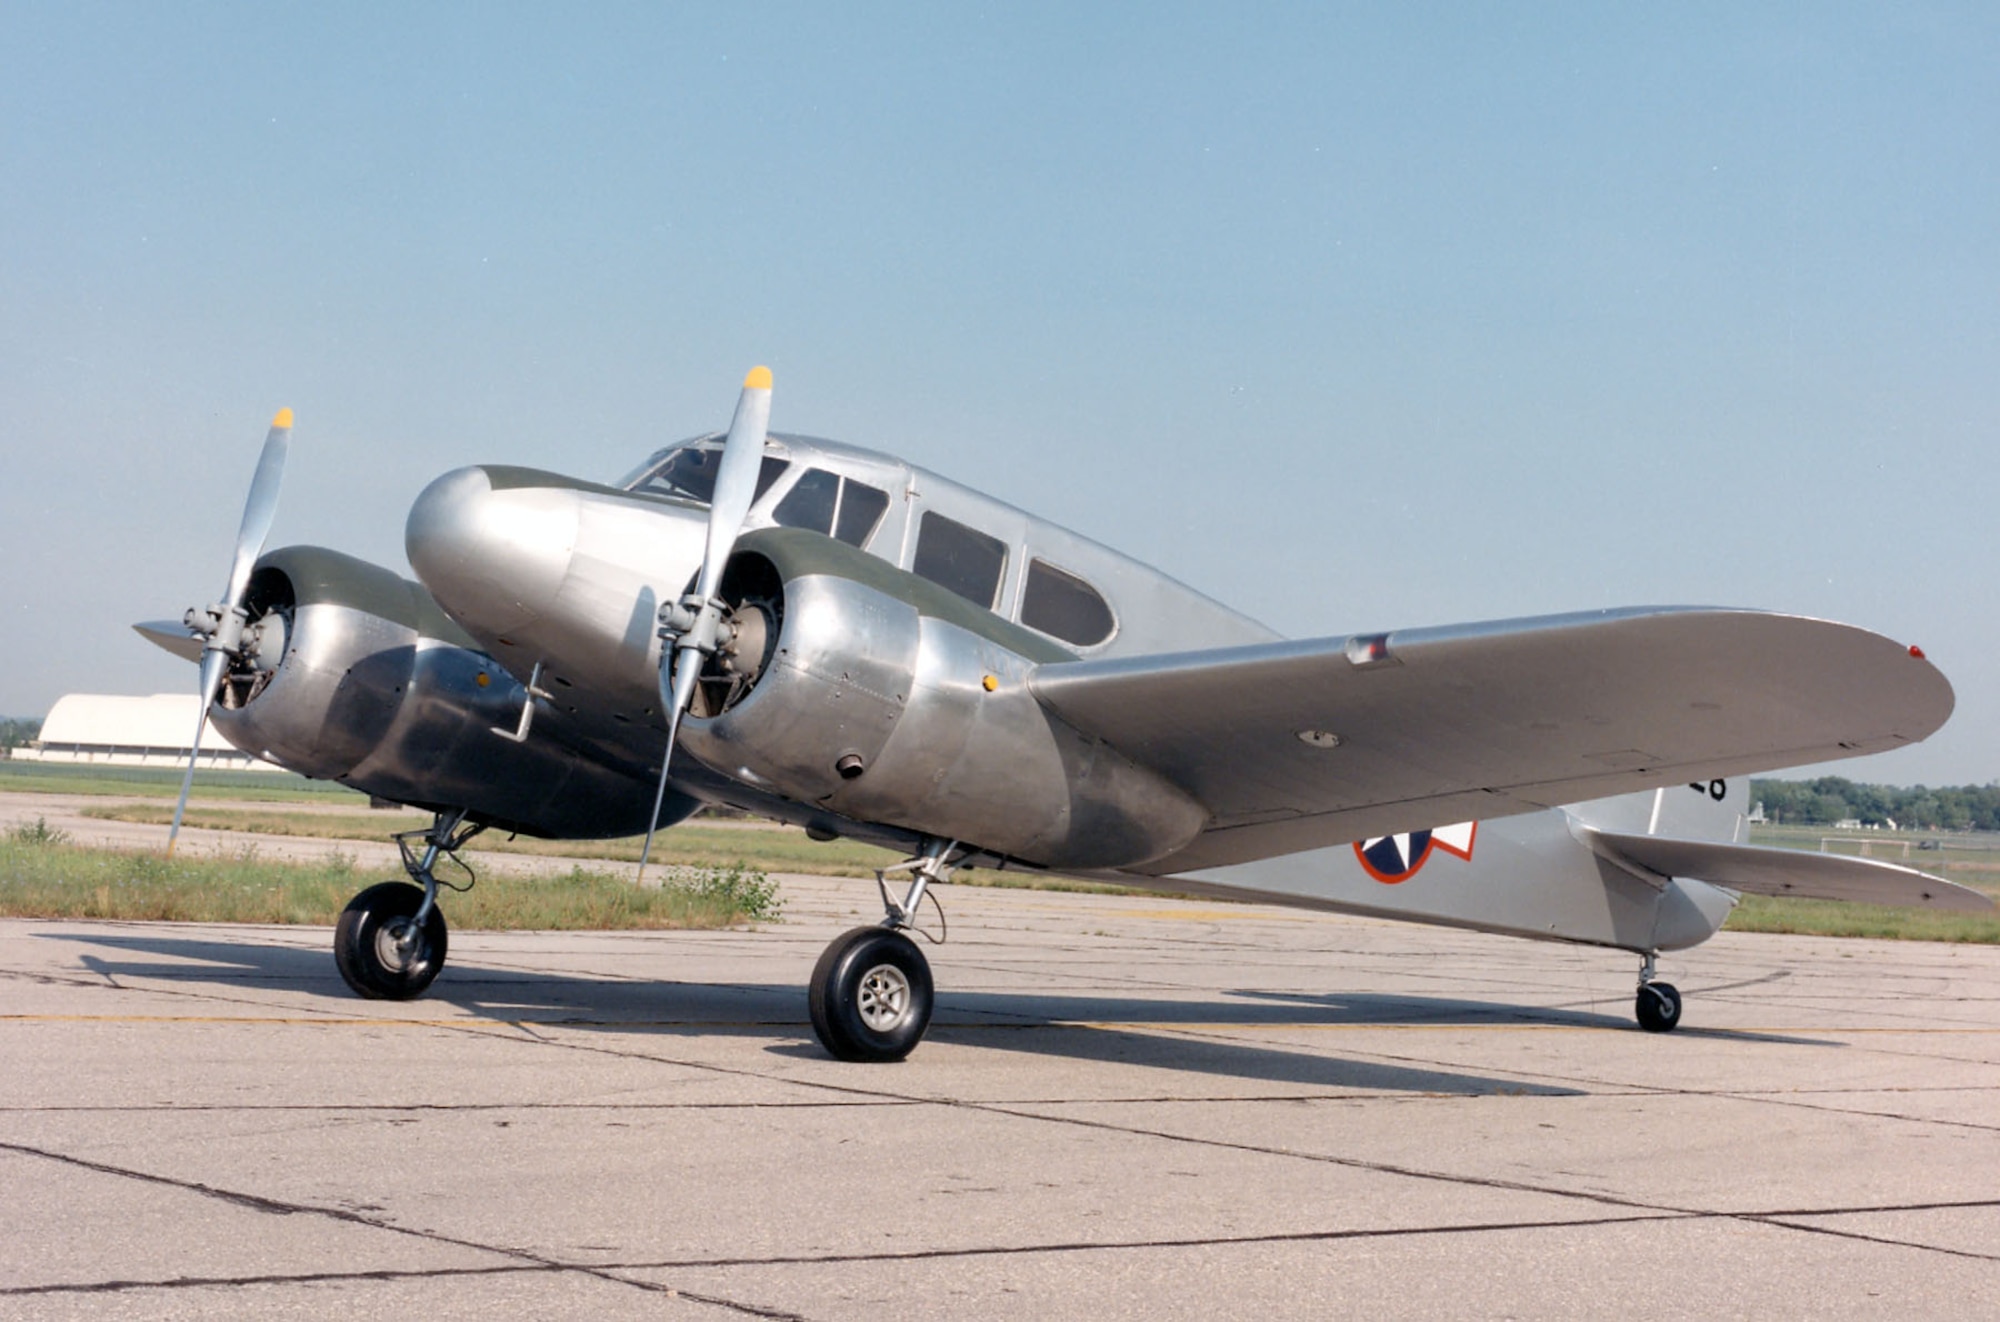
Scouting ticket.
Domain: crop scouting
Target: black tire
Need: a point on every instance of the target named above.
(365, 947)
(1658, 1007)
(871, 995)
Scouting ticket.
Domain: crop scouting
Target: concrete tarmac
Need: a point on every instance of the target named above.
(1127, 1107)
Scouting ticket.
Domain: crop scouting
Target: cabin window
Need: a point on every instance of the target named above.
(689, 474)
(826, 502)
(1064, 606)
(861, 508)
(810, 502)
(960, 559)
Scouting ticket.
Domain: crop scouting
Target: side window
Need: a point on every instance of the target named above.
(960, 559)
(861, 509)
(810, 502)
(1064, 606)
(689, 473)
(826, 502)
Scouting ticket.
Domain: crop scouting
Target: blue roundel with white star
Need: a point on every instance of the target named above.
(1396, 858)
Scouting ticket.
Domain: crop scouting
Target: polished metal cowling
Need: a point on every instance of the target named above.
(377, 689)
(880, 710)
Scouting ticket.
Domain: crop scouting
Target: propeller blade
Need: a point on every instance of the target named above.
(214, 663)
(171, 635)
(686, 670)
(735, 489)
(736, 477)
(260, 509)
(261, 506)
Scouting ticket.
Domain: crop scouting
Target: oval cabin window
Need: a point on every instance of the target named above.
(1064, 606)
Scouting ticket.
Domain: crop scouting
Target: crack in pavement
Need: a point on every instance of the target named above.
(1616, 1209)
(367, 1108)
(1777, 1219)
(279, 1207)
(1599, 1087)
(1384, 1168)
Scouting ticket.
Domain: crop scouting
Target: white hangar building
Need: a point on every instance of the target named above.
(106, 730)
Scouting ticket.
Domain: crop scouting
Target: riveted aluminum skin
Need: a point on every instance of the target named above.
(860, 671)
(379, 690)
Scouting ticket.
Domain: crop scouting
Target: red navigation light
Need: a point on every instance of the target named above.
(1916, 651)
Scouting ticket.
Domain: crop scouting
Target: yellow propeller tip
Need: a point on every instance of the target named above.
(284, 418)
(759, 379)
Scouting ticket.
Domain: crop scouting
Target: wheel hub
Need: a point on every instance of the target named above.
(398, 944)
(883, 997)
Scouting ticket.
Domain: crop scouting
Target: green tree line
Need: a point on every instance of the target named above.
(17, 730)
(1831, 799)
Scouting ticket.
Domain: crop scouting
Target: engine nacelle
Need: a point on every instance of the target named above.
(352, 673)
(886, 698)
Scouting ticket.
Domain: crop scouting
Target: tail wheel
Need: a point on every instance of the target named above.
(1658, 1007)
(871, 995)
(378, 947)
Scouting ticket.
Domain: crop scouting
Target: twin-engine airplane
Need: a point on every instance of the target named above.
(831, 637)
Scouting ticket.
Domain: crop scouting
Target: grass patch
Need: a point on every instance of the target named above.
(768, 846)
(40, 833)
(161, 783)
(49, 878)
(1969, 858)
(764, 846)
(1762, 913)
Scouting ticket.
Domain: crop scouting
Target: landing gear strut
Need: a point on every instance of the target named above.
(1658, 1006)
(871, 990)
(390, 942)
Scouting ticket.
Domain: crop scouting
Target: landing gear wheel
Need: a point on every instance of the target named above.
(379, 949)
(1658, 1007)
(871, 995)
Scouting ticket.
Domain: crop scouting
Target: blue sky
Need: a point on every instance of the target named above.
(1356, 318)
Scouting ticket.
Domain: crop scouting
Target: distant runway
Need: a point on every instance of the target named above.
(1126, 1108)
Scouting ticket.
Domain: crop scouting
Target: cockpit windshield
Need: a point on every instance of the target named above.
(687, 472)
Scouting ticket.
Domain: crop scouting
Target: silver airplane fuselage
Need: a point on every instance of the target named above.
(562, 580)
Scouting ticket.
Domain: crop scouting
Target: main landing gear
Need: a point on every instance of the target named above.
(871, 990)
(1658, 1006)
(390, 942)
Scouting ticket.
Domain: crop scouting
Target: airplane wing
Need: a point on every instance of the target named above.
(1761, 870)
(1301, 745)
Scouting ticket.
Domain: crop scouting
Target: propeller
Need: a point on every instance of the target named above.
(220, 626)
(695, 623)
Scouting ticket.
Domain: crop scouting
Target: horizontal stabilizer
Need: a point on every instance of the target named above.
(1761, 870)
(172, 635)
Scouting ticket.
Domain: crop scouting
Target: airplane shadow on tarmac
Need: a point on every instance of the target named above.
(1174, 1035)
